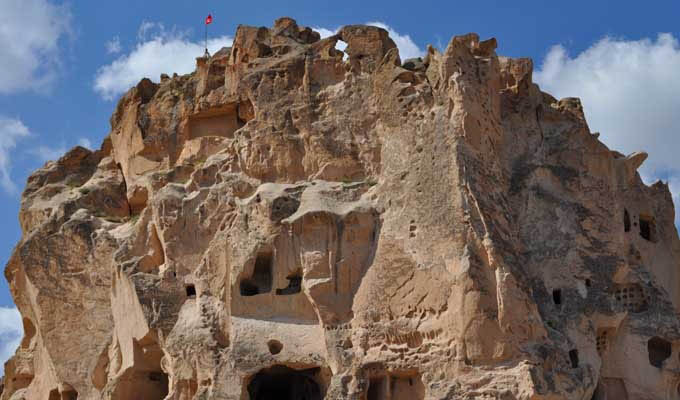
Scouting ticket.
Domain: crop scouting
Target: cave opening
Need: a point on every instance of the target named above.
(274, 346)
(248, 289)
(191, 291)
(145, 379)
(610, 388)
(557, 296)
(261, 280)
(376, 388)
(294, 284)
(573, 358)
(626, 220)
(659, 350)
(647, 228)
(69, 394)
(282, 383)
(406, 387)
(157, 385)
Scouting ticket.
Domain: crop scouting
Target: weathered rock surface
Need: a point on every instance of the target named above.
(293, 222)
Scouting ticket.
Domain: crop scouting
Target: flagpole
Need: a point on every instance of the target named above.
(208, 21)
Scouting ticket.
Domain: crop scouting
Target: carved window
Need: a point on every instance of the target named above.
(659, 350)
(573, 358)
(648, 228)
(284, 383)
(557, 296)
(261, 280)
(294, 284)
(377, 388)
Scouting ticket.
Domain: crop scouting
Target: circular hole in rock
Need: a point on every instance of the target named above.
(275, 346)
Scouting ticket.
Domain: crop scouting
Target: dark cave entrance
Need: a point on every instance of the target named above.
(261, 280)
(66, 395)
(294, 284)
(658, 350)
(573, 358)
(557, 296)
(647, 228)
(376, 388)
(282, 383)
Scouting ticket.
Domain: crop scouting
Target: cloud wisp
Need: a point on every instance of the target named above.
(16, 138)
(11, 331)
(157, 51)
(113, 46)
(31, 54)
(11, 132)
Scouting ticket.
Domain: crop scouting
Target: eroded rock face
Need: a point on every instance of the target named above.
(292, 222)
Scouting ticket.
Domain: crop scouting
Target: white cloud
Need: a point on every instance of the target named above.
(85, 142)
(11, 131)
(113, 46)
(147, 27)
(630, 92)
(407, 47)
(30, 33)
(11, 331)
(158, 51)
(326, 32)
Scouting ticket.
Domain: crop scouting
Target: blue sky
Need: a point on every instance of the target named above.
(64, 64)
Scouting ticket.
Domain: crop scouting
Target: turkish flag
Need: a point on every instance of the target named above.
(208, 19)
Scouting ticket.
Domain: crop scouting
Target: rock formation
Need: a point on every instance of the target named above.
(292, 221)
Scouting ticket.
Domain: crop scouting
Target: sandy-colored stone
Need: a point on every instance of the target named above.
(293, 222)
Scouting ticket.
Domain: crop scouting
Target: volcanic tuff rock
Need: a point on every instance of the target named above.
(292, 221)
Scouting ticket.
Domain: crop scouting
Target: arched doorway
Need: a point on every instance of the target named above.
(282, 383)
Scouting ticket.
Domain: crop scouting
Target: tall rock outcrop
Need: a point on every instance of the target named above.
(292, 221)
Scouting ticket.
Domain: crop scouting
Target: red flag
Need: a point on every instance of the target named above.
(208, 19)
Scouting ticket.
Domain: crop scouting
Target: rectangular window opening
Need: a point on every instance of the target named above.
(377, 389)
(573, 358)
(261, 280)
(647, 228)
(557, 296)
